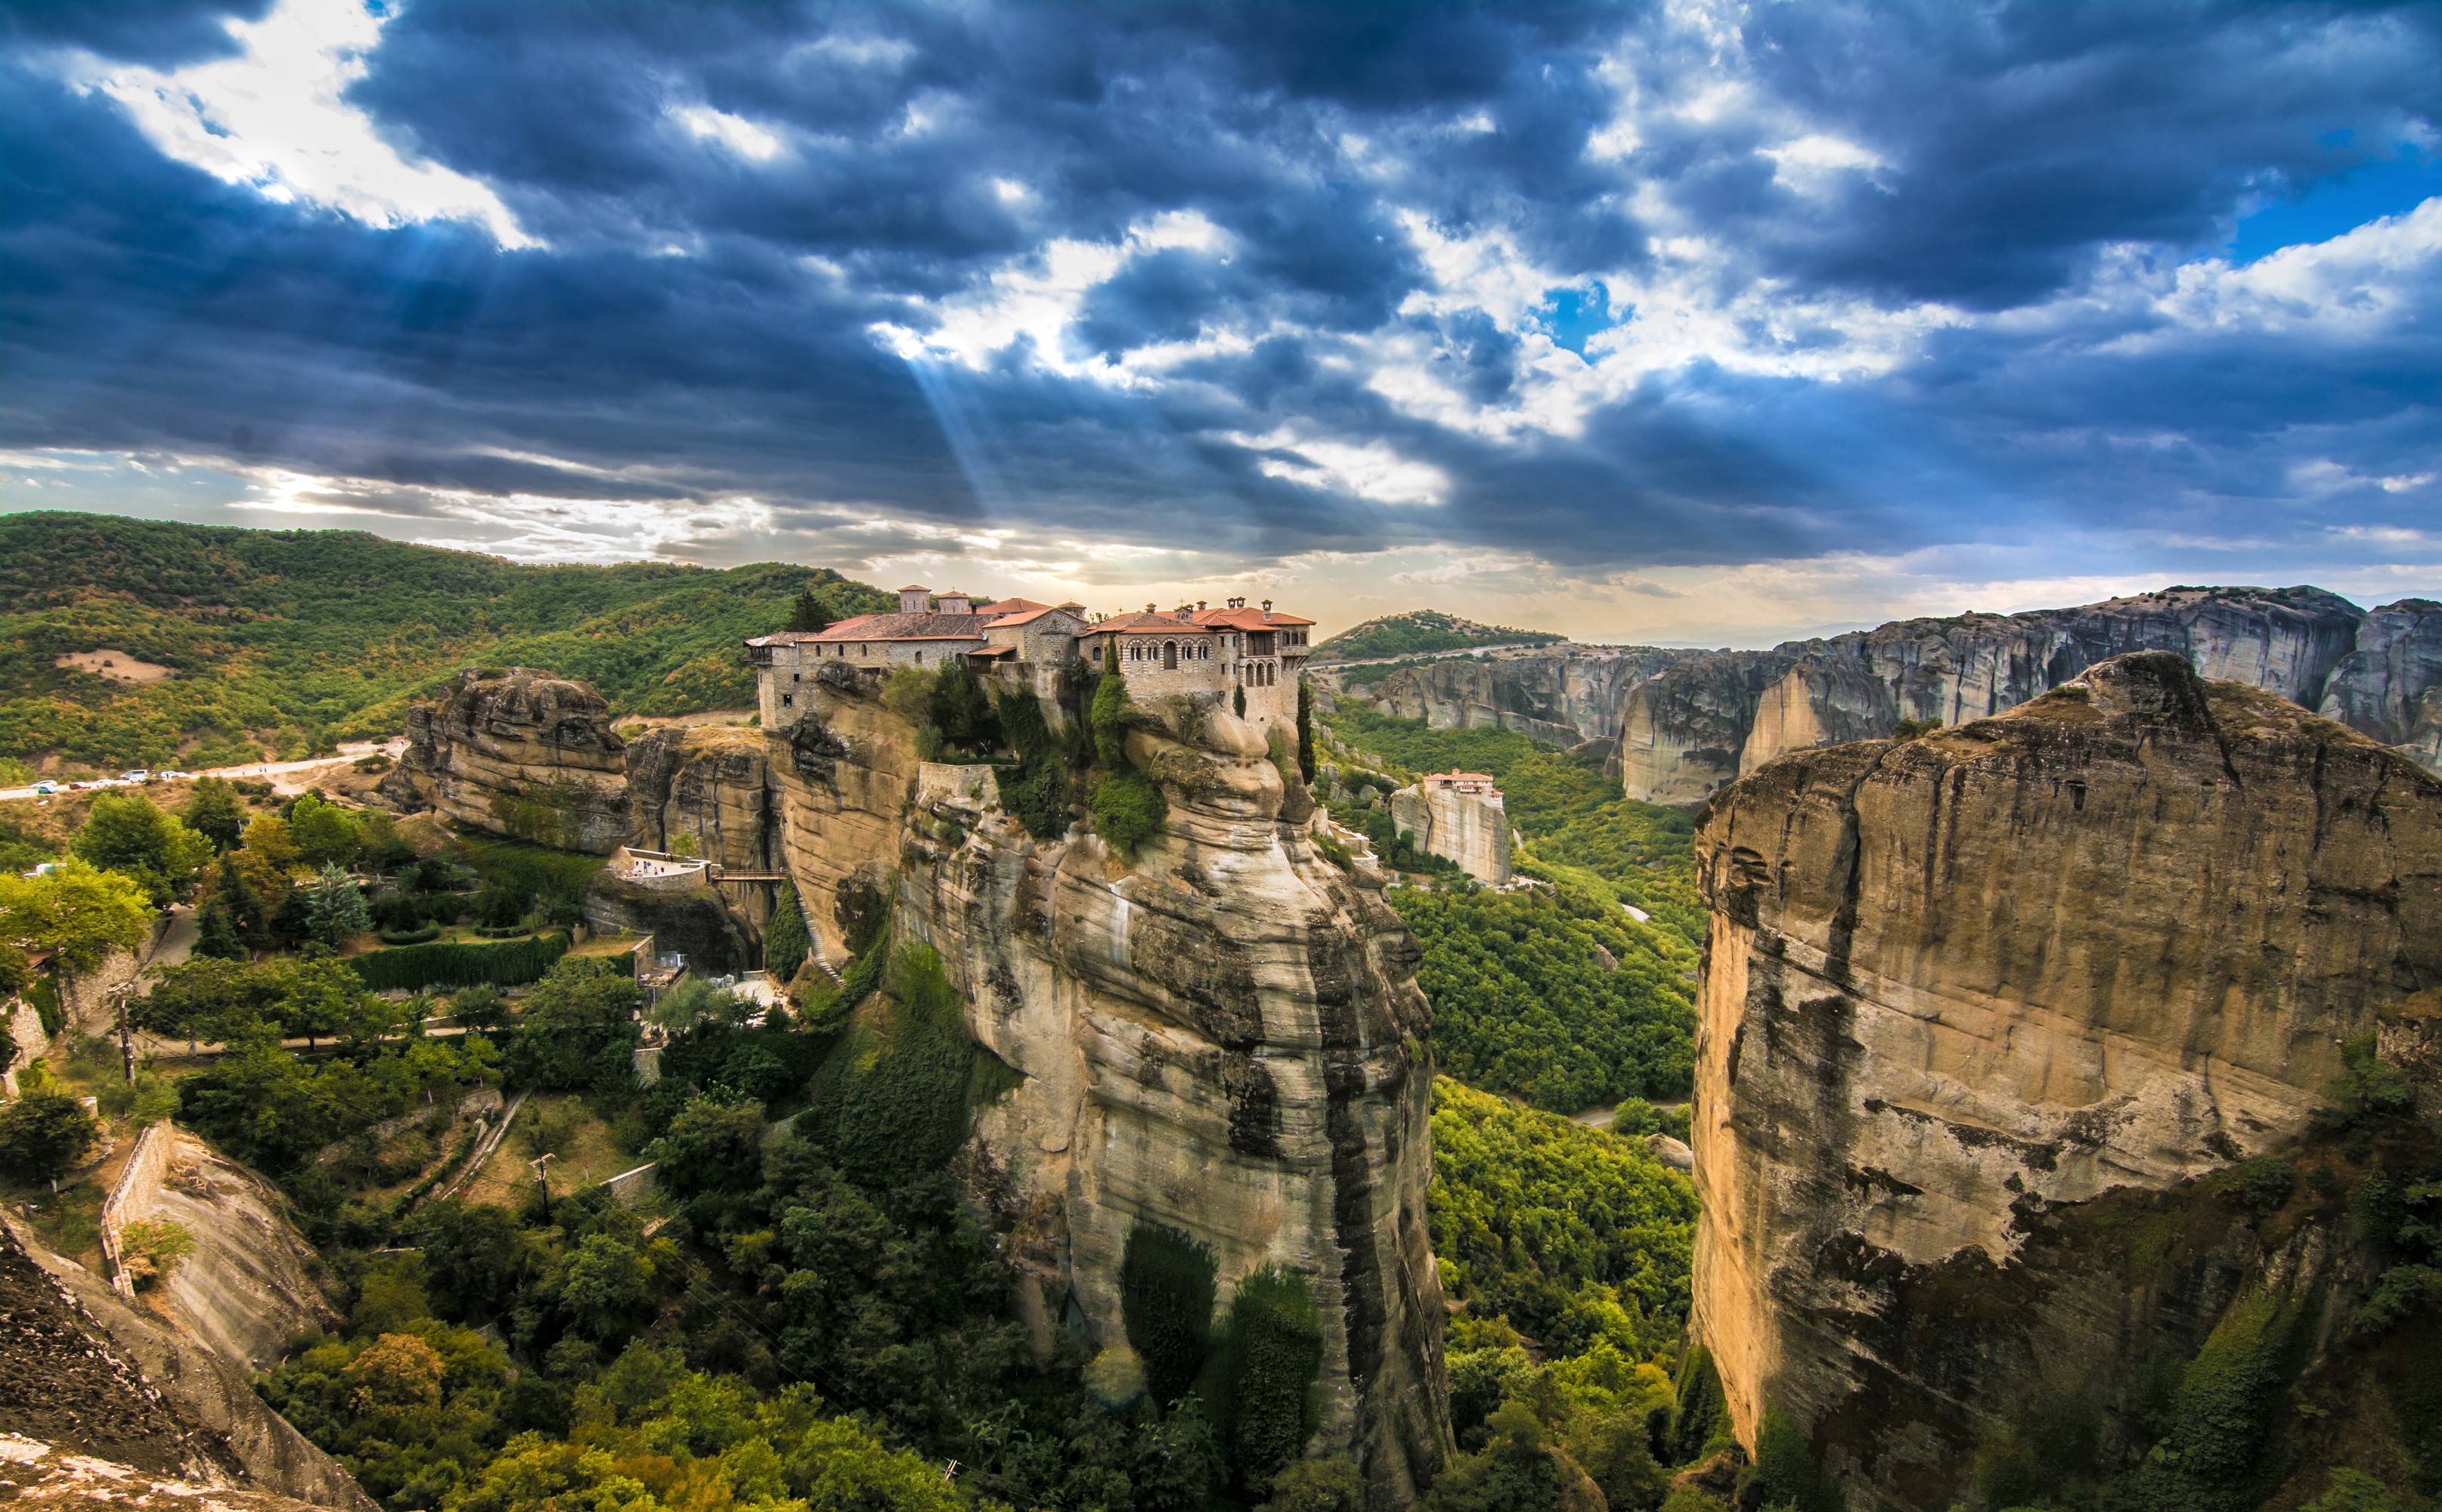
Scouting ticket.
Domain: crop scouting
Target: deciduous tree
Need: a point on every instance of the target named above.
(214, 812)
(126, 833)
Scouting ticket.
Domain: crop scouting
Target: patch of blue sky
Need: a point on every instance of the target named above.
(2340, 204)
(1569, 316)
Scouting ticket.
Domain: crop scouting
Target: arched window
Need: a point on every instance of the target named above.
(1170, 656)
(920, 659)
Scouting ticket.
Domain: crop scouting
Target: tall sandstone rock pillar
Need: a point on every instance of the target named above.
(2110, 938)
(1222, 1034)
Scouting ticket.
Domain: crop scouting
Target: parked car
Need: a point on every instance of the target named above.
(138, 774)
(47, 787)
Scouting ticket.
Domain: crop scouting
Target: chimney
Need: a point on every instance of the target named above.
(1268, 605)
(915, 599)
(1199, 606)
(1149, 609)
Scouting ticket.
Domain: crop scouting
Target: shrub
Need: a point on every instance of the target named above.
(2263, 1182)
(149, 1099)
(151, 1250)
(1128, 809)
(961, 710)
(1108, 720)
(1166, 1293)
(510, 963)
(1274, 1354)
(412, 934)
(43, 1134)
(895, 1097)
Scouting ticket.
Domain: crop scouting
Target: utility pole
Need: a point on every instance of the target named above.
(542, 1178)
(120, 995)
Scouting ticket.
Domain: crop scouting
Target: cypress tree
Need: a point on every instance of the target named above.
(786, 943)
(808, 614)
(1305, 730)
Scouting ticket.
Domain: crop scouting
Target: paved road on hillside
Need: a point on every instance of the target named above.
(284, 776)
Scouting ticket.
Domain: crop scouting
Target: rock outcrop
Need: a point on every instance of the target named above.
(1705, 722)
(1566, 695)
(1450, 821)
(1959, 989)
(84, 1373)
(2391, 686)
(1223, 1035)
(522, 754)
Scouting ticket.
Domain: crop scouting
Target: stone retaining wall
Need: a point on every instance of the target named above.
(132, 1196)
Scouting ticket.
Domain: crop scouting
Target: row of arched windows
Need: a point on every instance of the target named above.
(1256, 674)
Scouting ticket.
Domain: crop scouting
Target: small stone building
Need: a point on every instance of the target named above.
(1459, 817)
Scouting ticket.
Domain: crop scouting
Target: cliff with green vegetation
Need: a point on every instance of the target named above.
(288, 640)
(2057, 1105)
(1212, 1148)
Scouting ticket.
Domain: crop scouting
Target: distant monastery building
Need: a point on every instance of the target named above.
(1186, 650)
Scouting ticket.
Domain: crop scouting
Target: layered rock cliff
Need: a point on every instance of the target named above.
(1566, 695)
(1701, 723)
(1223, 1035)
(1973, 1003)
(2391, 686)
(518, 753)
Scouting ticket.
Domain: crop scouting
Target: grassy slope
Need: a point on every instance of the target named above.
(300, 638)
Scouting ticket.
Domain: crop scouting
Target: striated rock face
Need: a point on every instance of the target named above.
(1224, 1036)
(2107, 940)
(1709, 720)
(2391, 686)
(1567, 694)
(84, 1373)
(522, 754)
(1467, 828)
(709, 786)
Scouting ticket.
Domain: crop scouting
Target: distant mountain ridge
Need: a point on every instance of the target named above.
(290, 639)
(1419, 632)
(1685, 724)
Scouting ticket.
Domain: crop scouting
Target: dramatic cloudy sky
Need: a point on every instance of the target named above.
(1693, 321)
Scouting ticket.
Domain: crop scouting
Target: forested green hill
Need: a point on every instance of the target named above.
(1422, 629)
(291, 640)
(1558, 997)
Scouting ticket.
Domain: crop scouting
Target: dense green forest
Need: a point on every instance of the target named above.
(1573, 817)
(1557, 995)
(1420, 631)
(292, 640)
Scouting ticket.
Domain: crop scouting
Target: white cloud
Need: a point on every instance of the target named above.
(748, 140)
(274, 119)
(1037, 300)
(1365, 469)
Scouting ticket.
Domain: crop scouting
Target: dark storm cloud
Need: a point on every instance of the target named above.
(733, 199)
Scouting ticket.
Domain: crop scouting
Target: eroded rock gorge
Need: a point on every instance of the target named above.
(1974, 1002)
(1685, 724)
